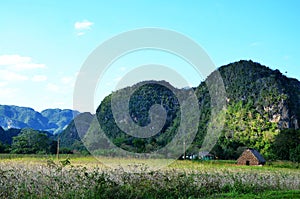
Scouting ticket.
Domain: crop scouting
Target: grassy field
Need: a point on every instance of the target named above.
(25, 176)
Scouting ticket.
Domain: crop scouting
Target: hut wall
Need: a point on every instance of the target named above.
(247, 156)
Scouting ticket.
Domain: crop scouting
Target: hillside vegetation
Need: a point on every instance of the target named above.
(262, 109)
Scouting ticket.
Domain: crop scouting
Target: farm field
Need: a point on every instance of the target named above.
(37, 176)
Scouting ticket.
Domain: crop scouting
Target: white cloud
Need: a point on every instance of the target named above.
(27, 66)
(39, 78)
(13, 59)
(17, 68)
(80, 33)
(83, 25)
(2, 84)
(8, 93)
(12, 76)
(18, 63)
(52, 87)
(67, 80)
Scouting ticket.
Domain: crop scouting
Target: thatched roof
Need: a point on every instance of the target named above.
(259, 157)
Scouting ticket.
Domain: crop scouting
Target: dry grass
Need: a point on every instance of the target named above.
(86, 177)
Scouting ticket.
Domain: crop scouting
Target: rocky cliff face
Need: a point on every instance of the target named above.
(286, 112)
(272, 93)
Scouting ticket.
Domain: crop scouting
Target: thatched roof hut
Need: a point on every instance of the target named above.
(251, 157)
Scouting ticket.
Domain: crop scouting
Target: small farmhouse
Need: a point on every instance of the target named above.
(205, 155)
(251, 157)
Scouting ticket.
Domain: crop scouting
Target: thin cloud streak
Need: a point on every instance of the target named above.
(83, 25)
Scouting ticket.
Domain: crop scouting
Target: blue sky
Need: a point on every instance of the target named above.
(43, 44)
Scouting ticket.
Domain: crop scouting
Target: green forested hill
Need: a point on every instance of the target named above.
(141, 100)
(71, 137)
(268, 90)
(26, 141)
(260, 104)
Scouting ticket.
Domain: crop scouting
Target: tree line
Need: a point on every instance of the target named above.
(30, 141)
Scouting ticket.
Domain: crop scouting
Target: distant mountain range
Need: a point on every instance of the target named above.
(52, 120)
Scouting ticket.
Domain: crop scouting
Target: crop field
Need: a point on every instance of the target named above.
(24, 176)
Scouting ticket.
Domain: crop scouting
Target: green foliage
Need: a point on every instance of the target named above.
(30, 141)
(141, 100)
(4, 148)
(65, 162)
(286, 142)
(65, 150)
(266, 194)
(6, 136)
(295, 154)
(245, 126)
(72, 135)
(261, 103)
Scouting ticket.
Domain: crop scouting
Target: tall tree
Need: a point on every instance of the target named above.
(31, 141)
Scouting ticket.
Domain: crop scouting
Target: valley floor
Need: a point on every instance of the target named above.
(35, 176)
